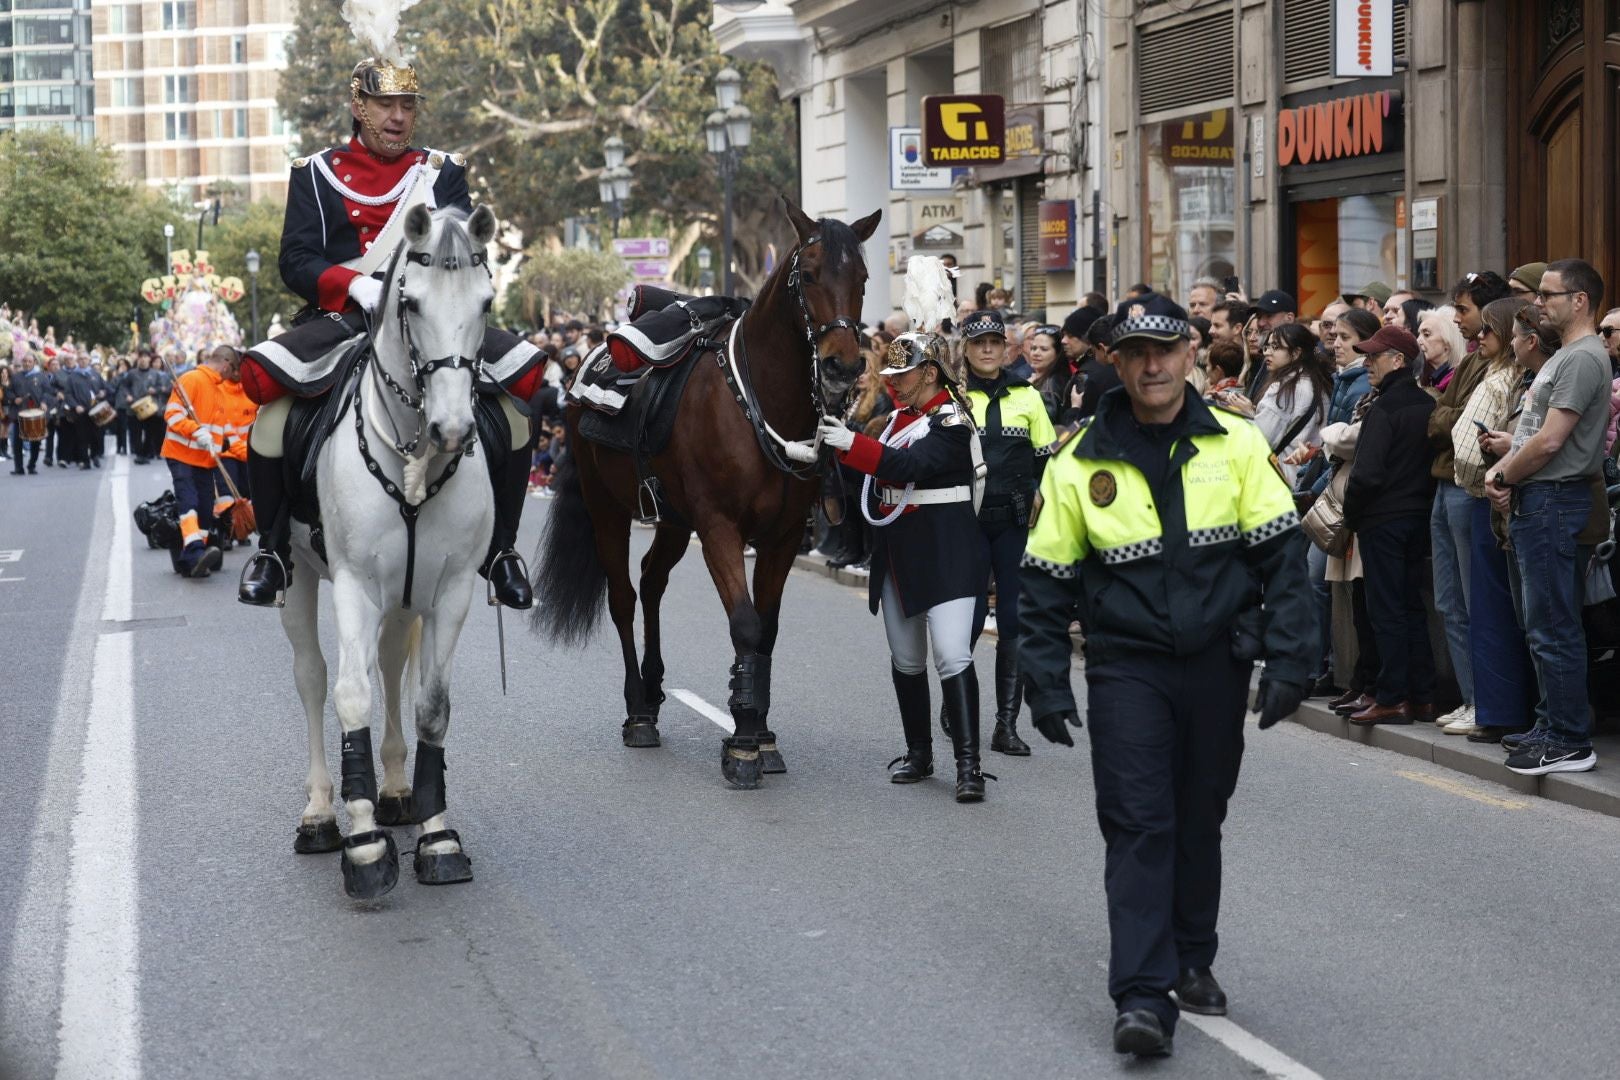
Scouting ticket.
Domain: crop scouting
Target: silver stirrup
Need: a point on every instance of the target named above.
(281, 593)
(489, 584)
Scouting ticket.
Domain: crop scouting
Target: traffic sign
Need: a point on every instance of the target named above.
(642, 247)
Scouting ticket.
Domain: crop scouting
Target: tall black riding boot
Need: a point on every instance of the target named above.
(918, 760)
(961, 693)
(507, 575)
(1009, 696)
(268, 573)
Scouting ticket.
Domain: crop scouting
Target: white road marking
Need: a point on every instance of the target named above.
(1251, 1048)
(99, 1031)
(703, 708)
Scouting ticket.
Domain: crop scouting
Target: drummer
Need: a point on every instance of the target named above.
(23, 396)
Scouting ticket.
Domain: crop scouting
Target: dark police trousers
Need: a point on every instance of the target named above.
(1166, 742)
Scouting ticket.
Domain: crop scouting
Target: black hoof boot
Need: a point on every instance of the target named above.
(450, 868)
(641, 733)
(395, 810)
(317, 838)
(914, 766)
(739, 762)
(370, 880)
(770, 758)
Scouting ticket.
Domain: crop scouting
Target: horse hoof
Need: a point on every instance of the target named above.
(448, 868)
(770, 758)
(317, 838)
(395, 810)
(368, 881)
(740, 762)
(641, 733)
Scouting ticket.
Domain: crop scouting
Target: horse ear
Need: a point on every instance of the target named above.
(865, 227)
(801, 221)
(481, 226)
(418, 223)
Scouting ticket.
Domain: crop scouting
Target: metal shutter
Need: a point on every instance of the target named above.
(1031, 300)
(1184, 65)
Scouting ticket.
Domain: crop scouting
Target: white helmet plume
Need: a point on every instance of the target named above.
(929, 300)
(375, 25)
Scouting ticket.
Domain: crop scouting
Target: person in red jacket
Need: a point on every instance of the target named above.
(345, 212)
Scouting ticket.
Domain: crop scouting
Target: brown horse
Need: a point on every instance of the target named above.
(723, 475)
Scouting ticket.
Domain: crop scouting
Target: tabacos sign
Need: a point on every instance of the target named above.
(1344, 127)
(963, 129)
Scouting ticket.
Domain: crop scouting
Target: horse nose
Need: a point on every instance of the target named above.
(449, 442)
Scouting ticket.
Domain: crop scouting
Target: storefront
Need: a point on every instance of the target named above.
(1189, 189)
(1016, 188)
(1341, 171)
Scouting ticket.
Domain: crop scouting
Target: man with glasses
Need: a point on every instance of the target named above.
(1525, 280)
(1610, 331)
(1544, 486)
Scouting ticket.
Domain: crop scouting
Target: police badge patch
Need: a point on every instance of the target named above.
(1103, 489)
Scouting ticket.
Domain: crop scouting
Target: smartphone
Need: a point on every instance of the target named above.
(1230, 284)
(1483, 430)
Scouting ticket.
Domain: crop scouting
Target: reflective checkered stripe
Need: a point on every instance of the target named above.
(1275, 527)
(1220, 534)
(1142, 549)
(1061, 571)
(1013, 432)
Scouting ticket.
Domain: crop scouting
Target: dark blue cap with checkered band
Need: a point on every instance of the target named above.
(1151, 317)
(981, 323)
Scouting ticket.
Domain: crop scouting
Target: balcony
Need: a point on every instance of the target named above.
(768, 32)
(846, 18)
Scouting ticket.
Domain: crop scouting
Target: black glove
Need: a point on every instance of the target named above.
(1277, 700)
(1055, 726)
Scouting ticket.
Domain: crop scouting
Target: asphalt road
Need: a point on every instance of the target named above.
(634, 917)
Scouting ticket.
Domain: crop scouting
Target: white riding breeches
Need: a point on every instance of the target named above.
(948, 626)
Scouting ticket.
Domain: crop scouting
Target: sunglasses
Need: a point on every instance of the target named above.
(1607, 330)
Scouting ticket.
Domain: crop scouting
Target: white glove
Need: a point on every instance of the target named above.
(367, 292)
(800, 451)
(835, 434)
(204, 440)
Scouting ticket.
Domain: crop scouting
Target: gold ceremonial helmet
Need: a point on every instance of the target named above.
(915, 348)
(379, 78)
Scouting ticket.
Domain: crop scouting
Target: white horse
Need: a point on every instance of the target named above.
(400, 599)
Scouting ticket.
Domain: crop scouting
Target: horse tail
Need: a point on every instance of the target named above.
(569, 582)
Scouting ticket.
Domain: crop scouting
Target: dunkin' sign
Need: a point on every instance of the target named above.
(1363, 38)
(1341, 128)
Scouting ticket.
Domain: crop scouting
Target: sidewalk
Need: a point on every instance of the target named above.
(1598, 790)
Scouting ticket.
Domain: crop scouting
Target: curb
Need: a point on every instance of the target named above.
(1597, 791)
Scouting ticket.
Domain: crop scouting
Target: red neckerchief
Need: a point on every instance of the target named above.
(909, 415)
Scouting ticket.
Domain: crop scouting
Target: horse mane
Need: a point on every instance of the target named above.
(454, 244)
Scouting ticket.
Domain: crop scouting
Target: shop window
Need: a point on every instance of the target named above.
(1189, 177)
(1011, 59)
(1342, 244)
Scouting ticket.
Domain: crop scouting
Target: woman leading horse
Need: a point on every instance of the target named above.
(724, 475)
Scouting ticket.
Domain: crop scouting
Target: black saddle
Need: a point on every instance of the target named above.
(643, 427)
(665, 336)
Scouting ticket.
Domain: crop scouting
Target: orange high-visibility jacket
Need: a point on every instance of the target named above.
(223, 412)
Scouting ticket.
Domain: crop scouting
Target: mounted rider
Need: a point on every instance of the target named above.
(345, 213)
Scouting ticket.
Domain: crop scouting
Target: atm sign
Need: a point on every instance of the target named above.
(963, 129)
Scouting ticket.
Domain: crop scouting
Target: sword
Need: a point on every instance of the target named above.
(500, 634)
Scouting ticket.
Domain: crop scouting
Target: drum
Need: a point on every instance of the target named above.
(31, 422)
(102, 413)
(144, 407)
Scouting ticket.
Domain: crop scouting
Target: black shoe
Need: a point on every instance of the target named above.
(1324, 687)
(206, 563)
(1140, 1032)
(1514, 740)
(1198, 992)
(1009, 697)
(509, 580)
(1496, 735)
(961, 694)
(911, 691)
(264, 580)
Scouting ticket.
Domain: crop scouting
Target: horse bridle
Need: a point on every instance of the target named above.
(420, 370)
(812, 337)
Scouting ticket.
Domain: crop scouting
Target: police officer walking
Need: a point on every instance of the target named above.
(1017, 435)
(1167, 529)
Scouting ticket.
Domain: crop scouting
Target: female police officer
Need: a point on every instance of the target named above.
(1168, 528)
(928, 560)
(1017, 435)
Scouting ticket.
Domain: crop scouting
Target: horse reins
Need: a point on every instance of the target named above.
(420, 373)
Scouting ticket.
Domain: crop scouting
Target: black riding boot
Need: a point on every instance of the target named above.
(508, 576)
(268, 573)
(1009, 696)
(961, 693)
(918, 760)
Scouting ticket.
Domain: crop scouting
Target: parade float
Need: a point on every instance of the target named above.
(192, 302)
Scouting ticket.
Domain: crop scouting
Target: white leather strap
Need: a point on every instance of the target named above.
(926, 496)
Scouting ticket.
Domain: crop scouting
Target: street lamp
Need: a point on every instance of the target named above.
(253, 278)
(728, 131)
(705, 258)
(168, 245)
(613, 186)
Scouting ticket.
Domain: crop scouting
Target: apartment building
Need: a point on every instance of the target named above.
(45, 70)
